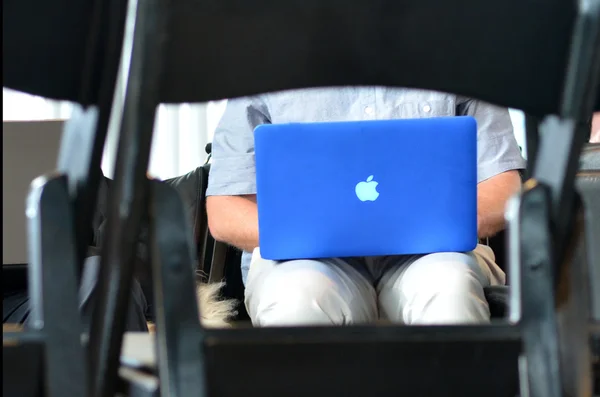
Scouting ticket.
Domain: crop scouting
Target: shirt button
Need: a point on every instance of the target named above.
(426, 108)
(368, 110)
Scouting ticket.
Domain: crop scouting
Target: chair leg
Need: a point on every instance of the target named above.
(84, 134)
(553, 321)
(218, 263)
(532, 292)
(180, 339)
(130, 186)
(546, 225)
(54, 286)
(79, 158)
(573, 306)
(116, 269)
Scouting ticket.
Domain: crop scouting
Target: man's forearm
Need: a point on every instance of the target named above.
(489, 224)
(234, 220)
(595, 137)
(492, 196)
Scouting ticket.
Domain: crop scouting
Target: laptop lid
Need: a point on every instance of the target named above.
(367, 188)
(29, 149)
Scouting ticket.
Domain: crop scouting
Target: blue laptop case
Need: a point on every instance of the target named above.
(367, 188)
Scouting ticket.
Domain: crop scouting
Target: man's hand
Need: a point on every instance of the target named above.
(492, 196)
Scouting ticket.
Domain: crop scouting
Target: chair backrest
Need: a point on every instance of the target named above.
(61, 49)
(205, 241)
(480, 49)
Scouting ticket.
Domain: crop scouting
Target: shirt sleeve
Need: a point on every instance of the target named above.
(232, 170)
(497, 147)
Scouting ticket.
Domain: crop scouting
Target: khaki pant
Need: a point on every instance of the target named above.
(440, 288)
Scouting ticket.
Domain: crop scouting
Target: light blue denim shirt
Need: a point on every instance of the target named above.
(233, 171)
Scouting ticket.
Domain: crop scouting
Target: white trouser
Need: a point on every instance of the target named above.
(440, 288)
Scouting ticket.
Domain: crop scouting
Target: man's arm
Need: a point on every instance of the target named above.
(231, 194)
(498, 161)
(595, 136)
(492, 195)
(234, 220)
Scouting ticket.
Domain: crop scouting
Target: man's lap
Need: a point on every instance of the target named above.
(441, 287)
(289, 290)
(377, 270)
(368, 283)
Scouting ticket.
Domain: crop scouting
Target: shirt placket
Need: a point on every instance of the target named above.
(369, 104)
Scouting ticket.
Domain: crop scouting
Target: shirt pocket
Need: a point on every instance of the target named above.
(425, 109)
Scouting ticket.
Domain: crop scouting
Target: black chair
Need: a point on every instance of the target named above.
(588, 183)
(496, 54)
(75, 45)
(364, 43)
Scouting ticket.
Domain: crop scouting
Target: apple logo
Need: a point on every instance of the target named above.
(367, 190)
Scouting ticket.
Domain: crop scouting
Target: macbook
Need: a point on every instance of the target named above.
(367, 188)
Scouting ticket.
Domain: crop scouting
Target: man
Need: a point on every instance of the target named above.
(439, 288)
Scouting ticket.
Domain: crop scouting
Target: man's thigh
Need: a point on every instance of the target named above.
(481, 261)
(453, 282)
(328, 291)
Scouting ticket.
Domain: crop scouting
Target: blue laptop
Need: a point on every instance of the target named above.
(367, 188)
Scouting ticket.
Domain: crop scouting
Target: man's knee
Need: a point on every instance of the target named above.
(439, 288)
(297, 293)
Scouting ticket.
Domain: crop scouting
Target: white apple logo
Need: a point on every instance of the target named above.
(367, 190)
